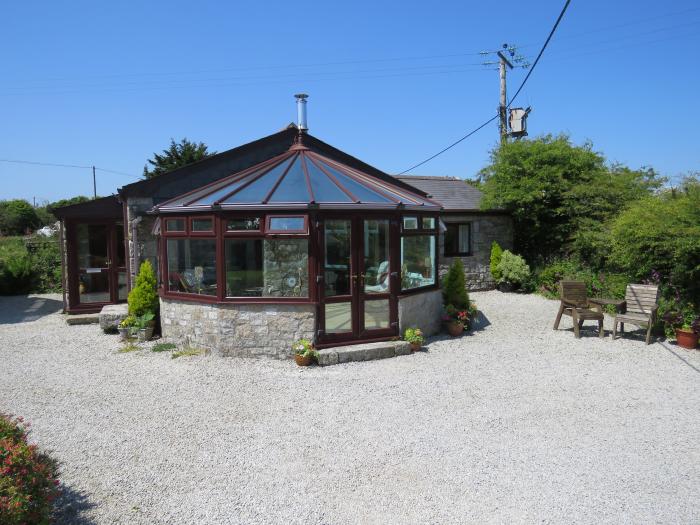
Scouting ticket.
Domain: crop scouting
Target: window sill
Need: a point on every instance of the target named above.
(413, 291)
(211, 299)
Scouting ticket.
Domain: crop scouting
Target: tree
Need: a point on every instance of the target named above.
(559, 193)
(16, 217)
(454, 289)
(143, 298)
(495, 260)
(177, 155)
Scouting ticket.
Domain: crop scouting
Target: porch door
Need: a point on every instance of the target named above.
(101, 264)
(357, 286)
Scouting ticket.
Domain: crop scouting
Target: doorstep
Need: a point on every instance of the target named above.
(76, 319)
(362, 352)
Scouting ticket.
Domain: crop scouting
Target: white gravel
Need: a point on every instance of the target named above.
(515, 423)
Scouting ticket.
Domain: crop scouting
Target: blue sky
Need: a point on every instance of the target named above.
(389, 82)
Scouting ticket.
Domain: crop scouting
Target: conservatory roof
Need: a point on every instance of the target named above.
(298, 178)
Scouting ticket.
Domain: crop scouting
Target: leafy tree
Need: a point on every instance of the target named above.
(17, 216)
(496, 254)
(66, 202)
(177, 155)
(559, 193)
(454, 289)
(143, 298)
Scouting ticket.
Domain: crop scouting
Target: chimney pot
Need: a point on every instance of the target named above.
(301, 111)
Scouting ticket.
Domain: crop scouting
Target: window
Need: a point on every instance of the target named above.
(417, 261)
(458, 239)
(192, 266)
(267, 267)
(202, 225)
(428, 223)
(281, 224)
(175, 225)
(243, 224)
(410, 223)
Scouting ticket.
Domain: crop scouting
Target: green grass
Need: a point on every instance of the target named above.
(163, 347)
(187, 352)
(128, 347)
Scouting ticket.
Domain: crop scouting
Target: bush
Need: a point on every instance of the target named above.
(599, 284)
(15, 267)
(454, 288)
(45, 257)
(143, 298)
(513, 269)
(32, 266)
(17, 216)
(28, 478)
(496, 254)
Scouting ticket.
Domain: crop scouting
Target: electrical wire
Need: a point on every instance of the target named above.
(58, 165)
(522, 84)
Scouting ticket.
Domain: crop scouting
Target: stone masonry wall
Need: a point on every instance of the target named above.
(421, 310)
(239, 330)
(143, 245)
(485, 229)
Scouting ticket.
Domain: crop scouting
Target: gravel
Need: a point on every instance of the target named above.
(514, 423)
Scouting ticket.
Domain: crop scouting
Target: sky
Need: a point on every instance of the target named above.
(109, 84)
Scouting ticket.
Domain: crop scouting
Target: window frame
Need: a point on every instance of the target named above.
(269, 230)
(468, 253)
(421, 232)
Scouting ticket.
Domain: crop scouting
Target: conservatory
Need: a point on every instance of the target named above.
(299, 245)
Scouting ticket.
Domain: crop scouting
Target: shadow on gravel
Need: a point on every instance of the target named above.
(70, 508)
(24, 309)
(670, 350)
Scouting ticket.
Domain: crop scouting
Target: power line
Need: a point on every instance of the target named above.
(534, 64)
(58, 165)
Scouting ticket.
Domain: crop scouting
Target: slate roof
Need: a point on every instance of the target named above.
(453, 193)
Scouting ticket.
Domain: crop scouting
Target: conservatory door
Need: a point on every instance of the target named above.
(357, 299)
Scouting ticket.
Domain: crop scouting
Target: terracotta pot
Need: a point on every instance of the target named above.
(415, 347)
(686, 338)
(303, 360)
(455, 328)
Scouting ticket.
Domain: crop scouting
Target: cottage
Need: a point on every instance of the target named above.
(282, 238)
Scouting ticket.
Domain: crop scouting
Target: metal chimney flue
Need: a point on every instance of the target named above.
(301, 111)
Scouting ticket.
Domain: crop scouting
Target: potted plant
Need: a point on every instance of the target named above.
(144, 325)
(685, 326)
(513, 272)
(126, 326)
(456, 320)
(304, 353)
(414, 336)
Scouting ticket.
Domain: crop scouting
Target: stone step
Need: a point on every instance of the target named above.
(75, 319)
(113, 314)
(362, 352)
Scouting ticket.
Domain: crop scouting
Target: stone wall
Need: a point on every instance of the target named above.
(421, 310)
(143, 245)
(485, 229)
(240, 330)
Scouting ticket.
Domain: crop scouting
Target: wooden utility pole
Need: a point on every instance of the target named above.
(94, 183)
(503, 119)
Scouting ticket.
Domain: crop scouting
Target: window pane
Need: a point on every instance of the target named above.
(325, 190)
(287, 223)
(192, 266)
(202, 225)
(244, 224)
(410, 223)
(464, 231)
(428, 223)
(336, 274)
(376, 256)
(377, 314)
(175, 225)
(417, 261)
(293, 186)
(457, 239)
(285, 268)
(244, 275)
(338, 317)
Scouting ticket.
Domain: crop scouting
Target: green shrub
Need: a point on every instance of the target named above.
(32, 266)
(28, 478)
(513, 269)
(45, 256)
(17, 217)
(144, 296)
(496, 254)
(15, 267)
(454, 288)
(599, 284)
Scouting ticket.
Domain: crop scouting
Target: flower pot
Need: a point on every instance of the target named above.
(145, 334)
(455, 328)
(686, 338)
(415, 347)
(123, 333)
(303, 360)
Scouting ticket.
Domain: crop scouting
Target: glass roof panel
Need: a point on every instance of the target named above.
(363, 192)
(259, 189)
(325, 190)
(293, 186)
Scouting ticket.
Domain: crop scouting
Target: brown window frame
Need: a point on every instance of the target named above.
(303, 231)
(458, 253)
(420, 232)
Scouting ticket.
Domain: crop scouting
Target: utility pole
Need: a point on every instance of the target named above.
(503, 121)
(94, 183)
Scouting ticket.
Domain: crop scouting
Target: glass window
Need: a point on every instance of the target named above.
(336, 266)
(377, 314)
(257, 190)
(244, 224)
(428, 223)
(175, 225)
(267, 267)
(458, 239)
(202, 225)
(293, 186)
(192, 266)
(325, 190)
(417, 261)
(410, 223)
(286, 224)
(338, 317)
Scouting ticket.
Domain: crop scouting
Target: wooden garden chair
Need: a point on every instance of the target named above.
(639, 308)
(575, 303)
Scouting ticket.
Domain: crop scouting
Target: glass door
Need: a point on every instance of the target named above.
(356, 285)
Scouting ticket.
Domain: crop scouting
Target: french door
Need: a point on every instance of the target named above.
(357, 280)
(97, 263)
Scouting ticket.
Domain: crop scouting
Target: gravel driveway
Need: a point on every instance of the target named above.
(515, 423)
